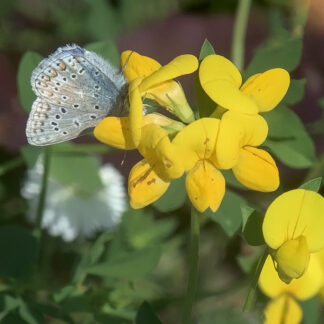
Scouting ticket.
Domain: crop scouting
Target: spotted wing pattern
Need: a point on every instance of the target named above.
(75, 89)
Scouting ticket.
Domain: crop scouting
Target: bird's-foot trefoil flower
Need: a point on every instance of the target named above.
(150, 177)
(148, 79)
(283, 306)
(293, 229)
(238, 136)
(205, 184)
(222, 81)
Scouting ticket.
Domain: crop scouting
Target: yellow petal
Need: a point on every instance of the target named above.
(283, 310)
(114, 131)
(256, 170)
(292, 259)
(144, 185)
(267, 89)
(292, 214)
(170, 95)
(199, 138)
(156, 147)
(135, 111)
(205, 186)
(221, 80)
(136, 65)
(235, 131)
(303, 288)
(181, 65)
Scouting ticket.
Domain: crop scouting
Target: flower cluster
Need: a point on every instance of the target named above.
(292, 229)
(228, 139)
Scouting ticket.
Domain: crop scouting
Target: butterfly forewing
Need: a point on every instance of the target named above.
(76, 89)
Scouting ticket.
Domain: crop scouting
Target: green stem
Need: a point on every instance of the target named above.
(9, 165)
(250, 298)
(42, 195)
(239, 32)
(194, 264)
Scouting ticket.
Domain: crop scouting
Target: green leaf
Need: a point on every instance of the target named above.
(296, 153)
(279, 52)
(132, 265)
(226, 315)
(174, 198)
(146, 315)
(314, 184)
(246, 263)
(79, 171)
(206, 49)
(284, 123)
(140, 230)
(252, 226)
(289, 140)
(321, 102)
(205, 105)
(229, 213)
(27, 64)
(311, 310)
(231, 180)
(101, 22)
(18, 249)
(295, 92)
(107, 49)
(30, 154)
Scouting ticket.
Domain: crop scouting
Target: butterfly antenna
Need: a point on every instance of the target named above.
(123, 160)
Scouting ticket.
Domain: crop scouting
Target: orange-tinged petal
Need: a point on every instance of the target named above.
(144, 185)
(221, 81)
(199, 138)
(114, 131)
(235, 131)
(303, 288)
(283, 310)
(170, 95)
(136, 65)
(292, 214)
(205, 186)
(135, 111)
(181, 65)
(256, 170)
(267, 89)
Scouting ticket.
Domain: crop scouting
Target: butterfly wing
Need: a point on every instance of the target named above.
(75, 89)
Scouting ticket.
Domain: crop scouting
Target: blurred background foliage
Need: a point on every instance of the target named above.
(106, 279)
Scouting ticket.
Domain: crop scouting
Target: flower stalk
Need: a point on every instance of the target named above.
(42, 196)
(194, 266)
(250, 298)
(239, 32)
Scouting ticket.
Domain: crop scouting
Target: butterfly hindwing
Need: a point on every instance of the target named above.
(75, 89)
(49, 123)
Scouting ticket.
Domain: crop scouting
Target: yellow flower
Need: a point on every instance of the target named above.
(195, 143)
(283, 307)
(222, 81)
(235, 149)
(150, 178)
(293, 228)
(150, 80)
(320, 257)
(115, 131)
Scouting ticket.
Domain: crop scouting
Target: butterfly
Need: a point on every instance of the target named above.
(75, 89)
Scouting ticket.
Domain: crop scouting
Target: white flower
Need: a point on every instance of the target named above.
(70, 215)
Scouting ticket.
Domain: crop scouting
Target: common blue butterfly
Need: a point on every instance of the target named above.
(75, 89)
